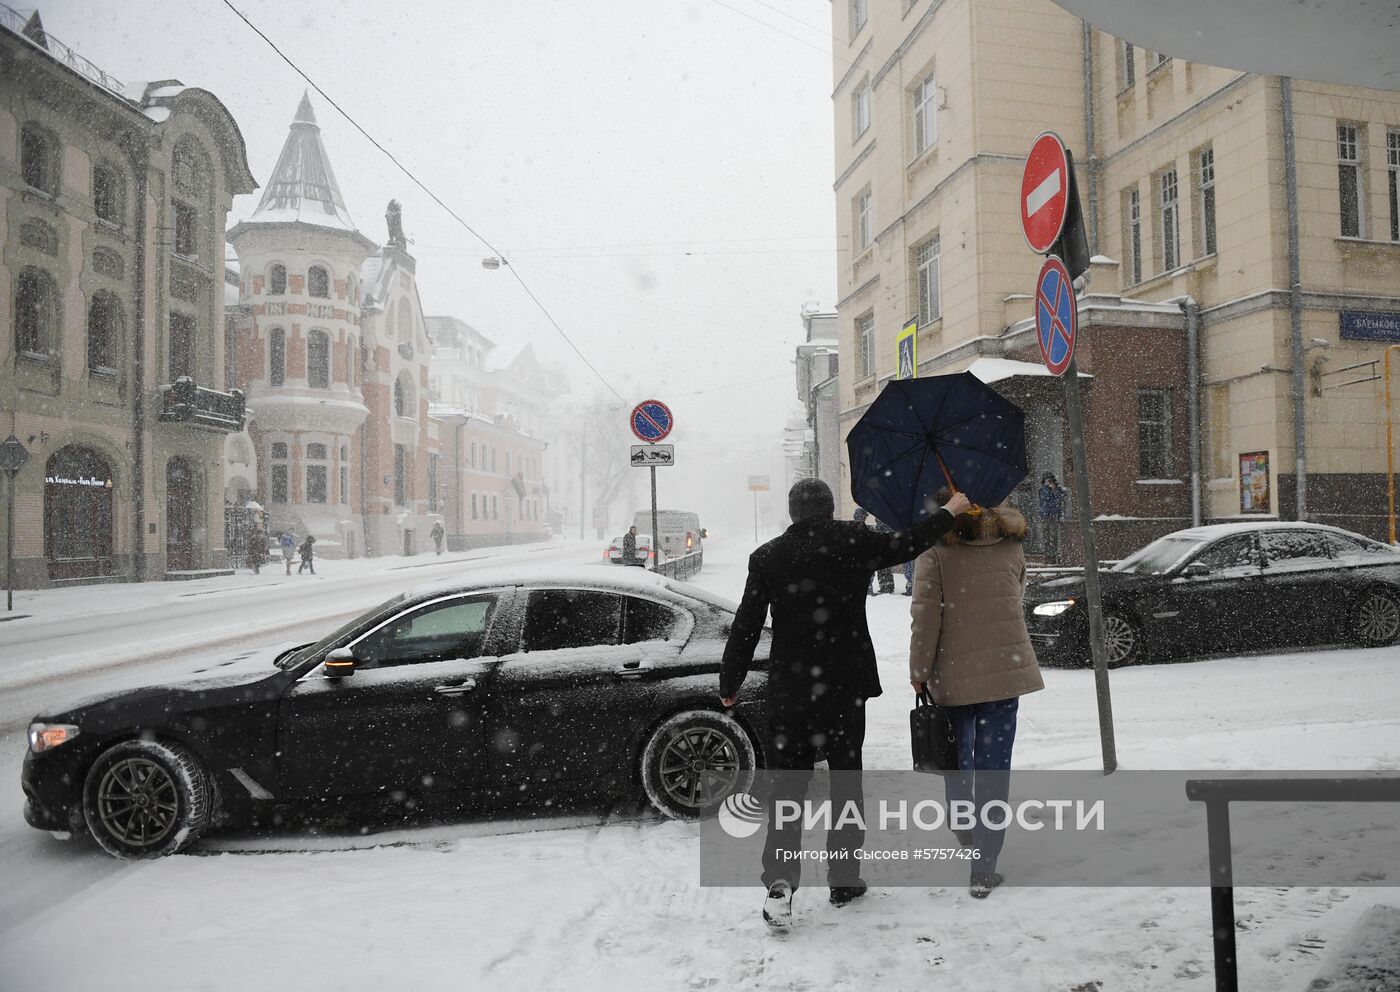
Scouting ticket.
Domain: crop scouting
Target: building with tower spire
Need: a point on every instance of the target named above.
(332, 352)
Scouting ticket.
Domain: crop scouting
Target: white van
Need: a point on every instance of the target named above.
(678, 532)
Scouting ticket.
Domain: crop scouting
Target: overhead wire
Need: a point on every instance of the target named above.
(433, 196)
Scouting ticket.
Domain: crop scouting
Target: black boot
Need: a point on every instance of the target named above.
(982, 884)
(841, 895)
(777, 908)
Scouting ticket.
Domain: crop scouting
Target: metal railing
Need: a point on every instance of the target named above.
(1218, 794)
(681, 568)
(185, 402)
(16, 22)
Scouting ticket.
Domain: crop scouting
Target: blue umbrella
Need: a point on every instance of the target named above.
(923, 434)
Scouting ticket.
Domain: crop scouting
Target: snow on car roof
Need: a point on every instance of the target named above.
(1210, 532)
(607, 577)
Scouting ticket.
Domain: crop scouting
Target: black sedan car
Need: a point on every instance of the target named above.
(514, 689)
(1227, 587)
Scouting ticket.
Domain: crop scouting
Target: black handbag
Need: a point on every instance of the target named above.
(931, 732)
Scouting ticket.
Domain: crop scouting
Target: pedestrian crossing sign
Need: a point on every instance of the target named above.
(907, 351)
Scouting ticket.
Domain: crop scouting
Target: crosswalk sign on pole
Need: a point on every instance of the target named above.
(907, 351)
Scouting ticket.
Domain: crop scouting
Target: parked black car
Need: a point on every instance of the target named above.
(1226, 587)
(519, 689)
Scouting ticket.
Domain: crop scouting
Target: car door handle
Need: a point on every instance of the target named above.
(460, 689)
(632, 670)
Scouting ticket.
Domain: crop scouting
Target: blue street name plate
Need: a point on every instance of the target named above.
(1365, 325)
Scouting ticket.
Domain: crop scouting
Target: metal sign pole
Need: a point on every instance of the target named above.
(655, 534)
(10, 542)
(1074, 409)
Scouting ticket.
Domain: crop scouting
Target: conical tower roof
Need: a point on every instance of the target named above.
(302, 188)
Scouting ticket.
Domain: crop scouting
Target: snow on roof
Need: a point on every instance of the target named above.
(1210, 532)
(609, 577)
(157, 114)
(302, 189)
(991, 370)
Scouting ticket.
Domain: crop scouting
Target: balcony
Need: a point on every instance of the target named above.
(201, 408)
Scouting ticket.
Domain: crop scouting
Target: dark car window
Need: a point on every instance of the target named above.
(1344, 545)
(650, 621)
(1293, 548)
(454, 628)
(571, 618)
(340, 634)
(1229, 554)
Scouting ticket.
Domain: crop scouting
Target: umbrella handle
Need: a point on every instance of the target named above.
(973, 510)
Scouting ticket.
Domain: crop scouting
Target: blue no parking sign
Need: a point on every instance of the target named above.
(1056, 315)
(651, 421)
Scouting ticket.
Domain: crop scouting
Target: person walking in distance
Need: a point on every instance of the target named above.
(629, 548)
(970, 649)
(438, 533)
(257, 549)
(814, 578)
(308, 554)
(1051, 511)
(288, 544)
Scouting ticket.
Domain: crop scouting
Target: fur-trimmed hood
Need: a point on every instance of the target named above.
(991, 525)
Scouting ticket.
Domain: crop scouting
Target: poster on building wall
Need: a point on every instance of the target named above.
(907, 351)
(1254, 482)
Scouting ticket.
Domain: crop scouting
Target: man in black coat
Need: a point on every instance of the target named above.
(822, 669)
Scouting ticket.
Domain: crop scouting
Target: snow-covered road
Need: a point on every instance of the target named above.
(609, 899)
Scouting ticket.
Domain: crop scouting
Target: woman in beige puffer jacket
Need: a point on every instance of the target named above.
(970, 649)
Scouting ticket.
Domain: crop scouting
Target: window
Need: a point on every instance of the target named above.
(344, 484)
(1229, 554)
(926, 264)
(559, 619)
(1293, 549)
(104, 333)
(318, 360)
(1349, 179)
(279, 449)
(1392, 159)
(432, 482)
(1132, 233)
(1171, 217)
(276, 356)
(865, 345)
(189, 167)
(454, 628)
(860, 109)
(38, 155)
(493, 459)
(925, 115)
(1207, 184)
(315, 483)
(108, 199)
(471, 459)
(279, 483)
(181, 346)
(1154, 434)
(1159, 60)
(403, 395)
(35, 234)
(316, 451)
(859, 14)
(36, 312)
(649, 621)
(1127, 67)
(186, 231)
(277, 280)
(495, 509)
(865, 221)
(400, 475)
(231, 380)
(405, 320)
(318, 282)
(474, 513)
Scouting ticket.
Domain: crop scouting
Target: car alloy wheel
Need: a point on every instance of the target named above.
(145, 799)
(1120, 640)
(694, 760)
(1377, 619)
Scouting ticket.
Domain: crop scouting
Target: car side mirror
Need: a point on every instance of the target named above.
(339, 664)
(704, 534)
(1195, 570)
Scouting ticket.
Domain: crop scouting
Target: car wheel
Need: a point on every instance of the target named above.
(146, 799)
(694, 760)
(1122, 640)
(1376, 619)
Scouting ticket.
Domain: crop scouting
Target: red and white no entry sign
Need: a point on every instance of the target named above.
(1045, 192)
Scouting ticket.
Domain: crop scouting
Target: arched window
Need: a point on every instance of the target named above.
(277, 280)
(36, 312)
(404, 404)
(318, 282)
(104, 333)
(389, 322)
(276, 356)
(405, 320)
(108, 193)
(191, 170)
(318, 360)
(38, 159)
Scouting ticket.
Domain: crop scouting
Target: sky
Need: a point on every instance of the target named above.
(658, 172)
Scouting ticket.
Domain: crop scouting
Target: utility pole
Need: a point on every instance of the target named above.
(582, 475)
